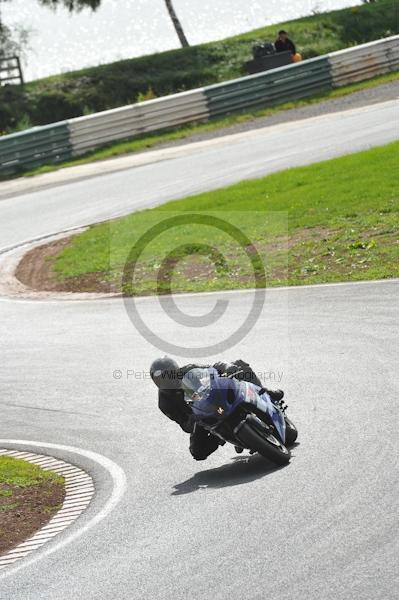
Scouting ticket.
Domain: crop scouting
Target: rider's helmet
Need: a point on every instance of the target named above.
(165, 373)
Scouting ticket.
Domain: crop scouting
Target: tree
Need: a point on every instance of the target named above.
(79, 4)
(176, 22)
(72, 4)
(76, 5)
(12, 41)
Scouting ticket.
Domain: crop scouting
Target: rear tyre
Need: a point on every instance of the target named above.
(265, 444)
(291, 432)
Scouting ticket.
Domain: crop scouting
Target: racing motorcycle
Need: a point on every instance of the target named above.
(240, 413)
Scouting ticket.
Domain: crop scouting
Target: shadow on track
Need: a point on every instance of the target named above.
(243, 469)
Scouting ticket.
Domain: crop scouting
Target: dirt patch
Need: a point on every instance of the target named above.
(36, 272)
(24, 510)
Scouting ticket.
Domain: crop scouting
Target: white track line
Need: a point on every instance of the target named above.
(36, 541)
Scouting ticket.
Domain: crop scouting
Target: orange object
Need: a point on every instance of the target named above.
(297, 57)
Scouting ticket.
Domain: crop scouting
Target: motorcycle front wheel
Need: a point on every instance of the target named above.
(265, 443)
(291, 432)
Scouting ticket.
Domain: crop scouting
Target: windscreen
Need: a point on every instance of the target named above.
(196, 385)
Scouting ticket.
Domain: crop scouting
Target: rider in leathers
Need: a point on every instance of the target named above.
(167, 375)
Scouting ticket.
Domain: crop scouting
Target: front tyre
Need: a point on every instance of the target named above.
(264, 443)
(291, 432)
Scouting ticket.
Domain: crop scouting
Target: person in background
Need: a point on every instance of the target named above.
(284, 44)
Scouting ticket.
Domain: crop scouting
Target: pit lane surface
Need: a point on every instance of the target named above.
(233, 527)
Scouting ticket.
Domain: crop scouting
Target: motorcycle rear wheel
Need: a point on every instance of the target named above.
(265, 444)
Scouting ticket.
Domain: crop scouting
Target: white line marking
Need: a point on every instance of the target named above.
(8, 562)
(53, 528)
(80, 495)
(19, 554)
(30, 545)
(47, 535)
(119, 487)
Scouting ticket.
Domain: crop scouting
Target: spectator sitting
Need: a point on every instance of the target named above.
(284, 44)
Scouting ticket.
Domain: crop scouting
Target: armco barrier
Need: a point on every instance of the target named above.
(88, 133)
(95, 130)
(58, 142)
(41, 145)
(269, 88)
(363, 62)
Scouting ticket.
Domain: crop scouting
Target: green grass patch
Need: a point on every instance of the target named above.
(29, 496)
(153, 140)
(5, 507)
(23, 474)
(332, 221)
(127, 81)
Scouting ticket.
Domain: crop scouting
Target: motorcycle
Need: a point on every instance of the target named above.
(242, 414)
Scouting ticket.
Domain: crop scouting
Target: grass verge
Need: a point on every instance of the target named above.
(150, 141)
(333, 221)
(29, 497)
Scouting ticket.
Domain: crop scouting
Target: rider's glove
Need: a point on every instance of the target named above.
(226, 369)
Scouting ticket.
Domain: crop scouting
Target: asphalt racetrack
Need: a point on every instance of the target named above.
(75, 374)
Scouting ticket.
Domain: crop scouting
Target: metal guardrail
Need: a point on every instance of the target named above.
(41, 145)
(267, 89)
(87, 133)
(90, 132)
(363, 62)
(58, 142)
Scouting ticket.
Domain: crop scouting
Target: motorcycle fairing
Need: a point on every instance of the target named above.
(249, 393)
(223, 395)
